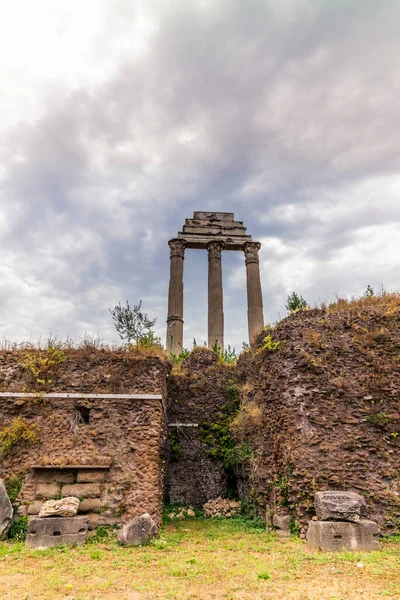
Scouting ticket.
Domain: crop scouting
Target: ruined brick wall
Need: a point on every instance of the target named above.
(196, 394)
(127, 434)
(330, 409)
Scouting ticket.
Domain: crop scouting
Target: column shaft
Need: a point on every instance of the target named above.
(255, 315)
(174, 341)
(215, 296)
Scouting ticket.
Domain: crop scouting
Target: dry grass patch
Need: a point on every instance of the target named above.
(199, 559)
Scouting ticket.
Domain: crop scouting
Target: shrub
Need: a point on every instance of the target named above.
(270, 345)
(18, 529)
(19, 431)
(40, 366)
(296, 302)
(13, 485)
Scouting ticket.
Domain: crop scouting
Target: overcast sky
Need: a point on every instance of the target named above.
(119, 118)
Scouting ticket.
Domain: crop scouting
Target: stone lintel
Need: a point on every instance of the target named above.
(72, 467)
(201, 241)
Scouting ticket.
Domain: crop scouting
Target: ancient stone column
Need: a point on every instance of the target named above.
(215, 297)
(254, 294)
(175, 297)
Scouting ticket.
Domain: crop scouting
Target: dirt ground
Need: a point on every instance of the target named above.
(199, 559)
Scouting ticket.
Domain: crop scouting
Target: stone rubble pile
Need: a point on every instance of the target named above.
(221, 507)
(182, 513)
(339, 525)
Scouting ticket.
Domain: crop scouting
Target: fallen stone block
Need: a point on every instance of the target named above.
(65, 507)
(137, 532)
(341, 506)
(6, 511)
(281, 521)
(53, 531)
(335, 536)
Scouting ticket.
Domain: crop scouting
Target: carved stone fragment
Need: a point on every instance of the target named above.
(66, 507)
(137, 532)
(6, 510)
(340, 506)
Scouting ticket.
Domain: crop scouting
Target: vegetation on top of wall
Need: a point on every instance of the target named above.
(19, 431)
(40, 365)
(227, 356)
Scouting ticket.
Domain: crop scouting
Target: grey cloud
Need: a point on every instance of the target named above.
(245, 107)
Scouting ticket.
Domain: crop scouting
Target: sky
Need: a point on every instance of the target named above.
(120, 118)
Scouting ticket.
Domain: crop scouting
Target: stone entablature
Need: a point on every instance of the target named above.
(206, 227)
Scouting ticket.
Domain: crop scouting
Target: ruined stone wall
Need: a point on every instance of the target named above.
(126, 435)
(329, 402)
(196, 394)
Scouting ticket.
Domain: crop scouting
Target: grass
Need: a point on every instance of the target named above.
(199, 559)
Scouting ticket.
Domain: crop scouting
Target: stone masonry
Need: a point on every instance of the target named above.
(108, 452)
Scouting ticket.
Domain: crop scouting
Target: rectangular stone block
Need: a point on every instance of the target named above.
(47, 490)
(81, 490)
(53, 531)
(54, 475)
(91, 505)
(89, 476)
(336, 536)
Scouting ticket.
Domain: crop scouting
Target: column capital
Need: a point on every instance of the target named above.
(177, 247)
(215, 249)
(250, 250)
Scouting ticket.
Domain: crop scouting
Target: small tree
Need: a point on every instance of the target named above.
(369, 292)
(134, 325)
(295, 302)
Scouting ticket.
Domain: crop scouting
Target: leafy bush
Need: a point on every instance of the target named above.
(18, 529)
(19, 431)
(270, 345)
(13, 485)
(41, 365)
(227, 356)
